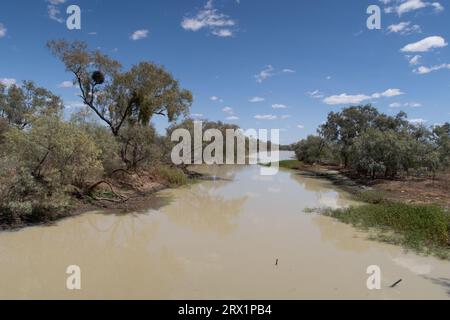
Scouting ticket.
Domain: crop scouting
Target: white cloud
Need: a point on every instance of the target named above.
(316, 94)
(210, 18)
(228, 110)
(74, 105)
(256, 99)
(407, 104)
(404, 28)
(8, 82)
(300, 126)
(388, 93)
(265, 74)
(285, 116)
(404, 6)
(415, 60)
(66, 84)
(139, 35)
(279, 106)
(426, 70)
(410, 5)
(216, 99)
(54, 11)
(197, 115)
(265, 117)
(2, 30)
(223, 33)
(231, 118)
(357, 99)
(269, 71)
(425, 45)
(346, 99)
(417, 121)
(413, 104)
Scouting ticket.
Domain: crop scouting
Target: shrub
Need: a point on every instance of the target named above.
(174, 176)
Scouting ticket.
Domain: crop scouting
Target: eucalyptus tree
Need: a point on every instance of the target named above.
(20, 104)
(117, 97)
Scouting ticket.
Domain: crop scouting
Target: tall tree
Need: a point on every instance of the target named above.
(118, 97)
(18, 104)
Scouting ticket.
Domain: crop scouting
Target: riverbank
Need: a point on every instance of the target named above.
(411, 213)
(123, 191)
(409, 190)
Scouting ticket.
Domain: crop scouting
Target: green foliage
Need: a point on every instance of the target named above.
(312, 150)
(376, 145)
(55, 152)
(420, 227)
(139, 146)
(173, 176)
(289, 164)
(122, 98)
(19, 104)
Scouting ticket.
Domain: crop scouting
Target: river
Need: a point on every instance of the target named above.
(217, 240)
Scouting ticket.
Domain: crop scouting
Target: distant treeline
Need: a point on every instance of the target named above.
(373, 144)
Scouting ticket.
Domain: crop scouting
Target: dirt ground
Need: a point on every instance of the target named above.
(409, 190)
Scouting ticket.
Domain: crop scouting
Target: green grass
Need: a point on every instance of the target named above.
(287, 164)
(372, 197)
(423, 228)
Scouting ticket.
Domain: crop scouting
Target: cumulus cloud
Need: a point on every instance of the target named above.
(359, 98)
(426, 70)
(139, 34)
(232, 118)
(211, 19)
(425, 45)
(346, 99)
(388, 93)
(405, 6)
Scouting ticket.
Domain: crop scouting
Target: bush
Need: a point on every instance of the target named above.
(55, 153)
(312, 150)
(173, 176)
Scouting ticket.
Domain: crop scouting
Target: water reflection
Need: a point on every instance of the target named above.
(203, 210)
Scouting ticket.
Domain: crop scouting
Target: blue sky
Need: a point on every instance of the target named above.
(256, 63)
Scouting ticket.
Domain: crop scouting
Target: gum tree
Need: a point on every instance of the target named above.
(117, 97)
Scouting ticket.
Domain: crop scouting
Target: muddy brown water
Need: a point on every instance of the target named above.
(217, 240)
